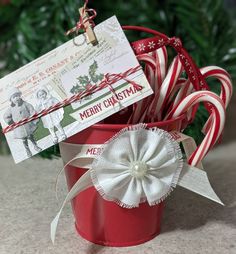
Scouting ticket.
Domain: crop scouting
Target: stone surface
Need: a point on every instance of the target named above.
(191, 224)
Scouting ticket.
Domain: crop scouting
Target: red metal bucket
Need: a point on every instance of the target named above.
(104, 222)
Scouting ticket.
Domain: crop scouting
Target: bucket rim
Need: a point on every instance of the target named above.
(149, 125)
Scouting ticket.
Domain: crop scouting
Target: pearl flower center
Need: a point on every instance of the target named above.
(138, 169)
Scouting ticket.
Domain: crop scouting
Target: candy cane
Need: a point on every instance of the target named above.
(169, 105)
(139, 107)
(184, 91)
(217, 125)
(161, 57)
(150, 75)
(150, 66)
(224, 78)
(173, 97)
(155, 109)
(155, 71)
(226, 86)
(185, 88)
(226, 89)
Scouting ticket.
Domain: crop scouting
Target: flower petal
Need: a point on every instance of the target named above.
(154, 189)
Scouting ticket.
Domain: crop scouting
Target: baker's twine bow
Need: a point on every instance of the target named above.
(108, 81)
(81, 23)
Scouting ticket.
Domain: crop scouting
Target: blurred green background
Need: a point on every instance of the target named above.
(29, 29)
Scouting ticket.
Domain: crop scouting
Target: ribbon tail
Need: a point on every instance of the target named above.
(75, 155)
(82, 184)
(84, 162)
(58, 175)
(196, 180)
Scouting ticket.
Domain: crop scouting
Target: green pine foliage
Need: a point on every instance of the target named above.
(32, 28)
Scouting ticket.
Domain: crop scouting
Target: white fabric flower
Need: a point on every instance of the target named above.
(137, 165)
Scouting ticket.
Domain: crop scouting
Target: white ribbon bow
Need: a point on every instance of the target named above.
(136, 166)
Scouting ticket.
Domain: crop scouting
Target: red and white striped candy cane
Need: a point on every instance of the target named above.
(226, 86)
(157, 105)
(224, 78)
(161, 58)
(173, 97)
(139, 107)
(217, 124)
(150, 66)
(185, 88)
(150, 75)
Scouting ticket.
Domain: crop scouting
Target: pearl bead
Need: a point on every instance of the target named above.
(138, 169)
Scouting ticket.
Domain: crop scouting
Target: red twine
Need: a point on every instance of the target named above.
(81, 22)
(108, 80)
